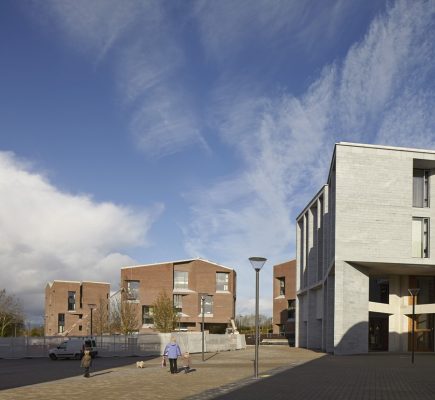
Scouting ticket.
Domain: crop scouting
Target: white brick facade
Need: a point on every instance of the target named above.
(358, 228)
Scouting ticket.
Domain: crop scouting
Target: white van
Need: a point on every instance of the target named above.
(74, 348)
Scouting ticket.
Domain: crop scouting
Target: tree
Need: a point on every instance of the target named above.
(164, 313)
(101, 317)
(123, 316)
(11, 313)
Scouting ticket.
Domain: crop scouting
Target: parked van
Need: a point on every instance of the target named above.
(74, 348)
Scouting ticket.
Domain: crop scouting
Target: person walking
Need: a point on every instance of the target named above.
(86, 363)
(172, 352)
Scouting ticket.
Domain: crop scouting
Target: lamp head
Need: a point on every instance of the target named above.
(257, 262)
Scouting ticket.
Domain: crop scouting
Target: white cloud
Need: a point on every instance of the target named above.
(47, 234)
(377, 94)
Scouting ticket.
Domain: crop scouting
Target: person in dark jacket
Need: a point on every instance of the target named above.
(172, 352)
(86, 363)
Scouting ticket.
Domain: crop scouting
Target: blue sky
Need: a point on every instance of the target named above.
(144, 131)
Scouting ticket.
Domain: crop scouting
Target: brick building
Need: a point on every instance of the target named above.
(284, 298)
(185, 281)
(68, 306)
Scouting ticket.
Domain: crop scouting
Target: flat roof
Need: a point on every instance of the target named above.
(378, 146)
(59, 280)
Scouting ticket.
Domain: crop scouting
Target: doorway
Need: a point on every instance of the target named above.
(378, 331)
(424, 333)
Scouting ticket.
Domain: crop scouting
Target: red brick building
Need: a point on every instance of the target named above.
(185, 281)
(284, 297)
(68, 306)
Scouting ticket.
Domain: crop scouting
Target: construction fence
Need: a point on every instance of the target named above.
(124, 345)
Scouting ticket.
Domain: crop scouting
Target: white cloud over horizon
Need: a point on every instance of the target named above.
(47, 234)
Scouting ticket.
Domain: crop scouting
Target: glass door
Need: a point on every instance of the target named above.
(424, 333)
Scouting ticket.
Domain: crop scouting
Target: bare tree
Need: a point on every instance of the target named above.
(164, 313)
(101, 317)
(123, 315)
(11, 313)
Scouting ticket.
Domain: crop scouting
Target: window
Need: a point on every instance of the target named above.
(147, 315)
(181, 280)
(426, 284)
(178, 302)
(222, 279)
(71, 301)
(208, 304)
(420, 188)
(132, 290)
(420, 237)
(379, 290)
(80, 327)
(60, 323)
(291, 309)
(281, 282)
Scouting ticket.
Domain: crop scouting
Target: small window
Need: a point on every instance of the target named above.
(420, 237)
(222, 279)
(80, 327)
(420, 188)
(147, 315)
(379, 290)
(71, 301)
(132, 290)
(61, 323)
(181, 280)
(291, 309)
(281, 282)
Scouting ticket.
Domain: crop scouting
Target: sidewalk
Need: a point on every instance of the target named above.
(285, 373)
(220, 373)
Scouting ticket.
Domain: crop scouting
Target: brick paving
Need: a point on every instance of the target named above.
(285, 373)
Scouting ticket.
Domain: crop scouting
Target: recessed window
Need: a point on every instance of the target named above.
(147, 315)
(71, 301)
(379, 290)
(222, 279)
(60, 323)
(80, 327)
(291, 309)
(181, 280)
(208, 304)
(420, 188)
(178, 303)
(132, 290)
(281, 283)
(420, 237)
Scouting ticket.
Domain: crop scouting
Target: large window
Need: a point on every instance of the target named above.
(208, 304)
(181, 280)
(420, 237)
(426, 284)
(420, 188)
(147, 315)
(222, 279)
(132, 290)
(60, 323)
(71, 301)
(379, 290)
(281, 282)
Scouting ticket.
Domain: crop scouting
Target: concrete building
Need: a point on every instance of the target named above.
(68, 307)
(185, 281)
(362, 242)
(284, 298)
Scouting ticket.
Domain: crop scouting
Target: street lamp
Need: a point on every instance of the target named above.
(203, 296)
(257, 263)
(91, 306)
(413, 293)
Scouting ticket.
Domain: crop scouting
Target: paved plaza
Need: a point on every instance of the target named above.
(285, 373)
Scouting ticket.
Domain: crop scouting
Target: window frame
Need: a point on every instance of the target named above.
(222, 285)
(423, 238)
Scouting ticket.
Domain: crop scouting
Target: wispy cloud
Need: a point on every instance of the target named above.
(376, 94)
(48, 234)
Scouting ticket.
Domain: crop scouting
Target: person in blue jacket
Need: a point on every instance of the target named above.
(172, 352)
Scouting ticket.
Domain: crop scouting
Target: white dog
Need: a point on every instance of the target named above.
(140, 364)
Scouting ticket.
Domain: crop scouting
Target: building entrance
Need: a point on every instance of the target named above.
(378, 332)
(424, 333)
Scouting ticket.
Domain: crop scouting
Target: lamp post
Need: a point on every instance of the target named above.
(257, 263)
(413, 293)
(91, 306)
(202, 325)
